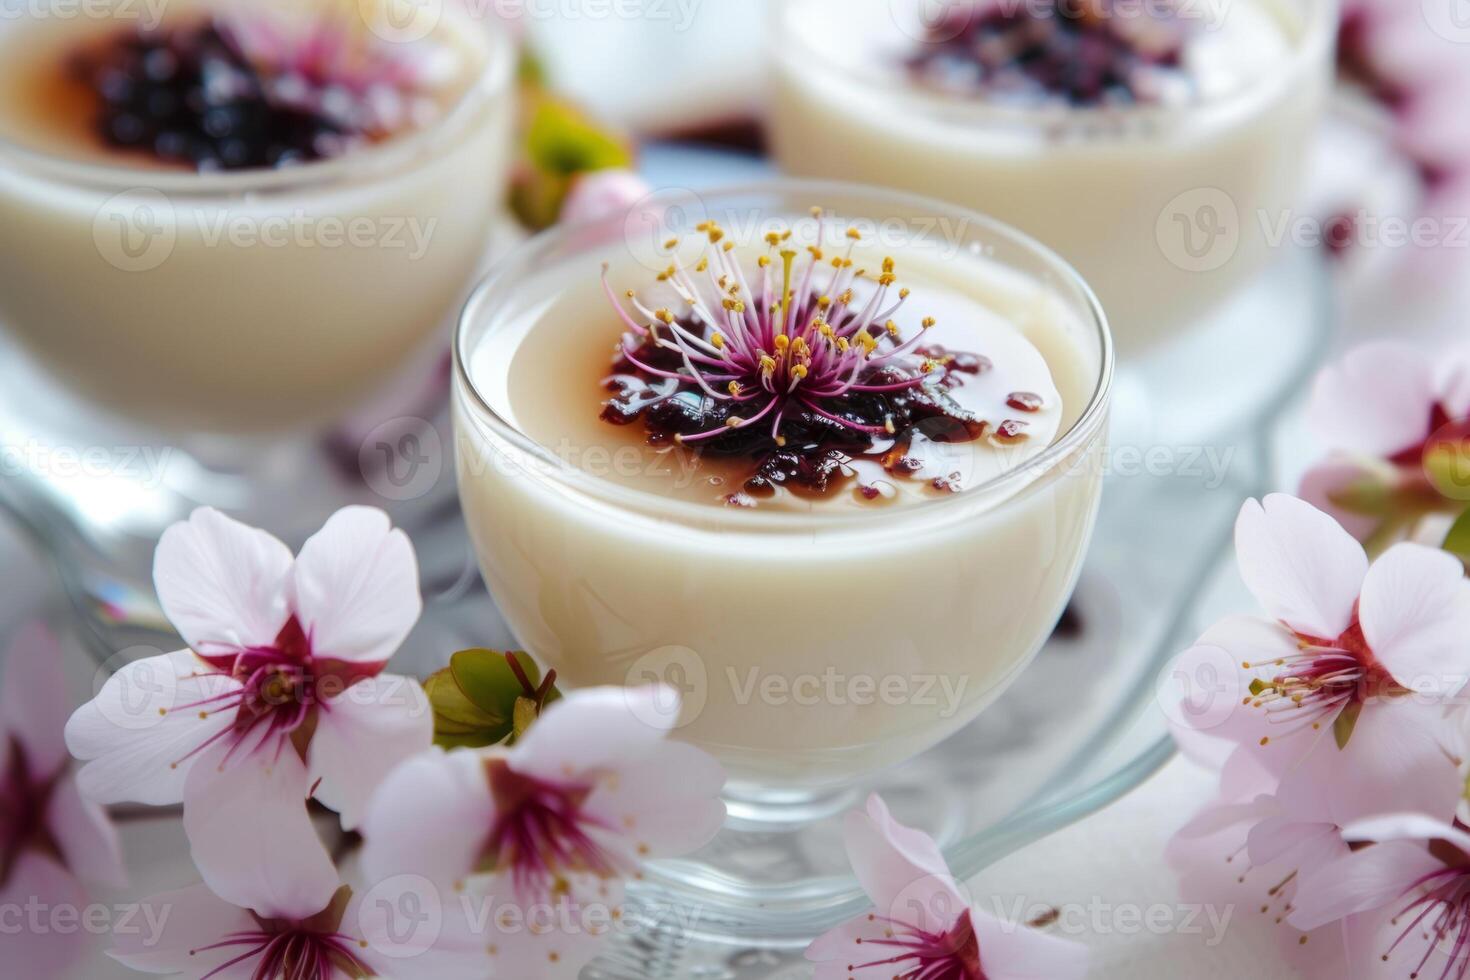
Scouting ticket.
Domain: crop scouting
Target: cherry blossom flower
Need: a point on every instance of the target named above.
(545, 833)
(51, 838)
(922, 926)
(1253, 857)
(204, 936)
(1379, 410)
(280, 697)
(601, 193)
(1339, 697)
(1404, 902)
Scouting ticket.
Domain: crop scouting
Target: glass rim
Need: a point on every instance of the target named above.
(493, 80)
(1318, 36)
(625, 498)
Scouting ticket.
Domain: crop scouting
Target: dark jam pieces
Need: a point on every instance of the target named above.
(1077, 52)
(188, 95)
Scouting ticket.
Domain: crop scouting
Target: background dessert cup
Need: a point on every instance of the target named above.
(610, 581)
(251, 301)
(1167, 209)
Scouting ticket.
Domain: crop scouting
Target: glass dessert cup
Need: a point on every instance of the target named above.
(813, 645)
(249, 301)
(1167, 209)
(220, 337)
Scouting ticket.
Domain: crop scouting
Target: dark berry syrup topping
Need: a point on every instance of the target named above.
(797, 389)
(214, 94)
(1081, 53)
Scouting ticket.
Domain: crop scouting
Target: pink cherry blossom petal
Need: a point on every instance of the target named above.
(361, 735)
(590, 728)
(87, 839)
(669, 801)
(174, 929)
(136, 737)
(1415, 613)
(441, 843)
(1009, 952)
(1375, 401)
(602, 193)
(33, 701)
(252, 837)
(355, 587)
(1301, 566)
(1323, 485)
(221, 584)
(39, 882)
(900, 866)
(1361, 881)
(1398, 758)
(1406, 826)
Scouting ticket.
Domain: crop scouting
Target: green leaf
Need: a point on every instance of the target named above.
(1342, 728)
(1447, 464)
(1369, 496)
(487, 679)
(458, 721)
(562, 140)
(1458, 540)
(526, 713)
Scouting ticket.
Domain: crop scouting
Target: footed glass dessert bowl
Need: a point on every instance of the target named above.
(841, 523)
(227, 235)
(1155, 146)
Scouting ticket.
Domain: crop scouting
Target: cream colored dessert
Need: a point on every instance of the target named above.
(1164, 204)
(242, 300)
(817, 635)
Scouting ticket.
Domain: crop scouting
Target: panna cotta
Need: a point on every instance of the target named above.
(247, 217)
(1154, 145)
(841, 522)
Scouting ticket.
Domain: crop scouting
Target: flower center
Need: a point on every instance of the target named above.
(279, 694)
(542, 832)
(23, 805)
(797, 373)
(1440, 914)
(281, 949)
(1316, 684)
(950, 955)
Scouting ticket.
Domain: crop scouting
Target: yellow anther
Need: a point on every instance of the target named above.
(888, 264)
(854, 234)
(734, 422)
(671, 243)
(665, 316)
(734, 389)
(892, 328)
(728, 246)
(763, 261)
(816, 252)
(718, 340)
(799, 371)
(846, 297)
(632, 294)
(842, 345)
(773, 239)
(782, 341)
(824, 302)
(702, 266)
(768, 364)
(927, 322)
